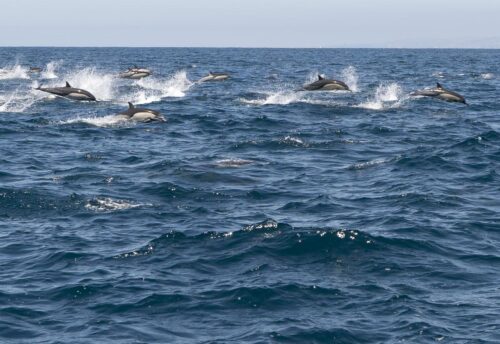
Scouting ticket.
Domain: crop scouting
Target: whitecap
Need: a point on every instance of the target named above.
(488, 76)
(234, 162)
(106, 204)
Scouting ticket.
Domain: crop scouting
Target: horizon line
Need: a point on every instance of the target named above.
(242, 47)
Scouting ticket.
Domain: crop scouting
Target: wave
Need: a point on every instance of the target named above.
(386, 96)
(279, 239)
(367, 164)
(14, 72)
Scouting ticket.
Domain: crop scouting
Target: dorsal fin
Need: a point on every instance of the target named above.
(439, 86)
(67, 84)
(320, 77)
(130, 105)
(210, 73)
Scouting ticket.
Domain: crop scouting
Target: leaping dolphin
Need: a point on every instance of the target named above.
(441, 93)
(214, 77)
(135, 73)
(141, 115)
(68, 92)
(323, 84)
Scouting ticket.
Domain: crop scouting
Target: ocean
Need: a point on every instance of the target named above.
(255, 213)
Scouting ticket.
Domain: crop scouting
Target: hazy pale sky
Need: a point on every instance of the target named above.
(255, 23)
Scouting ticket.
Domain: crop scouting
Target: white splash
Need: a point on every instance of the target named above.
(276, 98)
(99, 84)
(350, 77)
(106, 204)
(20, 99)
(488, 76)
(386, 96)
(15, 72)
(100, 121)
(438, 74)
(157, 89)
(50, 70)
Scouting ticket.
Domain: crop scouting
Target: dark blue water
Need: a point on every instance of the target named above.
(254, 214)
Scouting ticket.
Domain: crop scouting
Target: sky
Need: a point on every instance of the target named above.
(252, 23)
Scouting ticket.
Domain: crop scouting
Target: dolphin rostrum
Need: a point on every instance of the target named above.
(323, 84)
(441, 93)
(141, 115)
(68, 92)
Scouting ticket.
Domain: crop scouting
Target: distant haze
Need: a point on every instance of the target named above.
(255, 23)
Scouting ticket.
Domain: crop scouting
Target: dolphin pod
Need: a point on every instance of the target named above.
(441, 93)
(323, 84)
(148, 115)
(69, 92)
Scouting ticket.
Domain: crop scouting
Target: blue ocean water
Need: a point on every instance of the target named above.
(255, 214)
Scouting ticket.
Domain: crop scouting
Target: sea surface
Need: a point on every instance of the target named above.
(255, 213)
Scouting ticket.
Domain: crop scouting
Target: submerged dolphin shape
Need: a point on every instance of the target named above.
(68, 92)
(35, 70)
(141, 115)
(135, 73)
(323, 84)
(214, 77)
(441, 93)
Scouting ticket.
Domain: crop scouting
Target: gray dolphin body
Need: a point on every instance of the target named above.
(323, 84)
(35, 70)
(214, 77)
(441, 93)
(68, 92)
(135, 73)
(141, 115)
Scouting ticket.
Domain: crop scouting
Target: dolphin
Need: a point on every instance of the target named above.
(441, 93)
(68, 92)
(141, 115)
(214, 77)
(323, 84)
(135, 73)
(35, 70)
